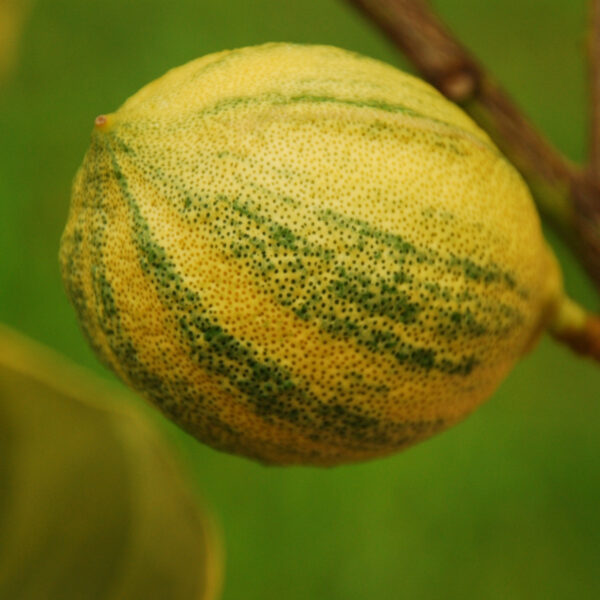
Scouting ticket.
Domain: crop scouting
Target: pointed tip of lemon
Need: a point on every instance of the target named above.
(103, 122)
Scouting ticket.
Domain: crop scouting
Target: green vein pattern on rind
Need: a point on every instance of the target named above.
(269, 388)
(373, 295)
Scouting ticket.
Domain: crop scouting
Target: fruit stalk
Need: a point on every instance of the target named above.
(577, 329)
(587, 186)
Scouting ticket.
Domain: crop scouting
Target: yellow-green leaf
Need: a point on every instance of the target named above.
(92, 503)
(12, 18)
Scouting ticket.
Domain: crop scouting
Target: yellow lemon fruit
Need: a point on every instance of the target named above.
(303, 255)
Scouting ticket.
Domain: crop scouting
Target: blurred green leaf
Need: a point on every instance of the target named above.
(92, 504)
(12, 19)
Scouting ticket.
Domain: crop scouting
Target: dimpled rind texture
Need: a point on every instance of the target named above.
(303, 255)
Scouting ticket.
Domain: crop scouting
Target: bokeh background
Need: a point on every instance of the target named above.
(504, 505)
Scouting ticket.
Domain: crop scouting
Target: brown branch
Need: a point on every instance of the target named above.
(594, 76)
(587, 188)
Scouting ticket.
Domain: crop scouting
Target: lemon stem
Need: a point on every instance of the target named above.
(574, 326)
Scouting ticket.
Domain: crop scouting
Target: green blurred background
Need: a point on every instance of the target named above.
(504, 505)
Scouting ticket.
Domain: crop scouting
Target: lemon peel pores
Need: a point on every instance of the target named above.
(303, 255)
